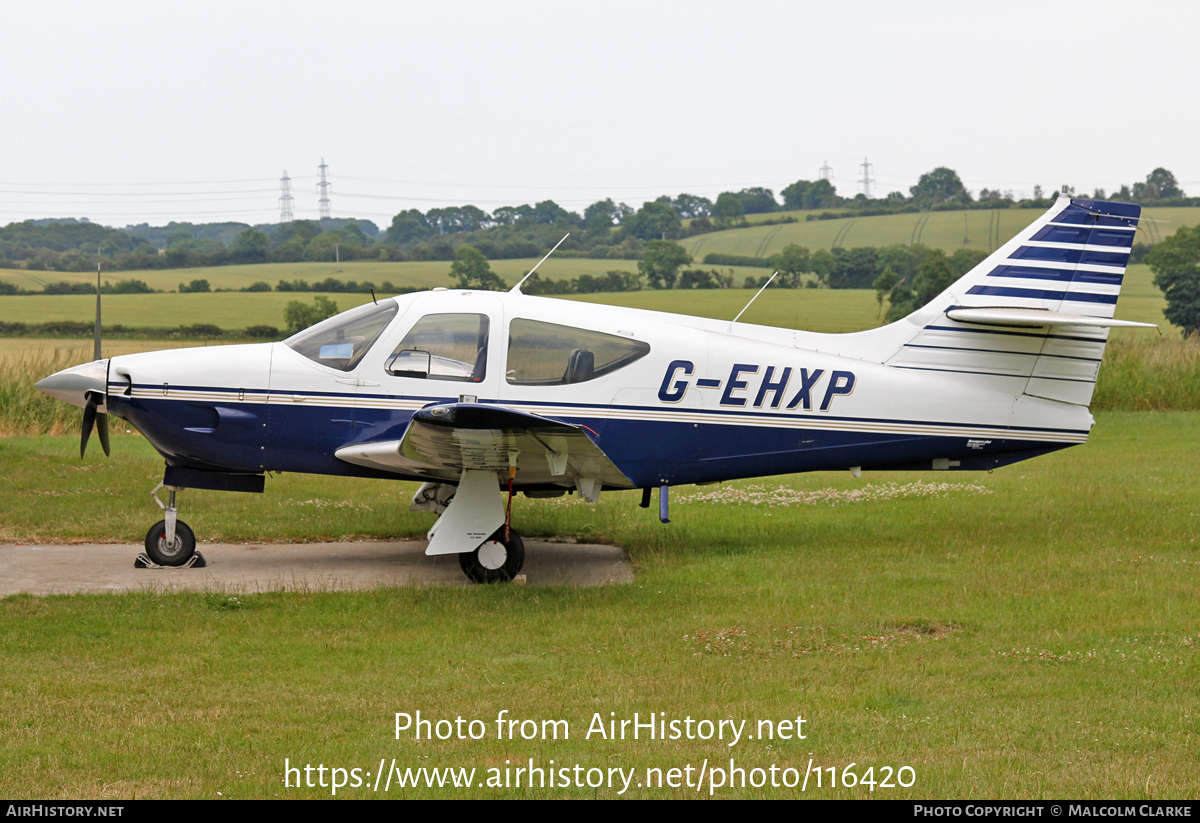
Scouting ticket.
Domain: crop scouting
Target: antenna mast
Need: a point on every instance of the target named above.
(285, 198)
(323, 190)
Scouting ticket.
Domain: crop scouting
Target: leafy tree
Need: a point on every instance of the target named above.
(757, 200)
(409, 226)
(548, 213)
(452, 219)
(1176, 266)
(903, 259)
(472, 270)
(353, 235)
(299, 316)
(728, 209)
(661, 262)
(251, 246)
(302, 231)
(941, 185)
(654, 220)
(823, 264)
(177, 237)
(820, 194)
(856, 269)
(330, 246)
(793, 261)
(690, 205)
(933, 277)
(506, 215)
(1160, 185)
(291, 251)
(260, 285)
(885, 284)
(197, 286)
(964, 259)
(599, 217)
(699, 279)
(793, 195)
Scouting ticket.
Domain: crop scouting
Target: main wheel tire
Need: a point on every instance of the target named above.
(177, 555)
(495, 561)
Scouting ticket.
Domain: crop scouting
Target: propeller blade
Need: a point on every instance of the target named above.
(89, 419)
(102, 430)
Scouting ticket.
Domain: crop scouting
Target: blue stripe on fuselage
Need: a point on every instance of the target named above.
(299, 438)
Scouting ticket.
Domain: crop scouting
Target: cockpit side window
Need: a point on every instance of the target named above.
(546, 354)
(341, 341)
(443, 347)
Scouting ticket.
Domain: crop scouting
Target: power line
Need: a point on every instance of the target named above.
(164, 183)
(126, 193)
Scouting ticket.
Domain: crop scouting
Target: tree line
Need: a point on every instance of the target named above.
(604, 230)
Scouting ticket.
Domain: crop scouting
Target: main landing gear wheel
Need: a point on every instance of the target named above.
(176, 555)
(495, 561)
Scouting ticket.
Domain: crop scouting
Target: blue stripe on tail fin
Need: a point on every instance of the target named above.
(1071, 260)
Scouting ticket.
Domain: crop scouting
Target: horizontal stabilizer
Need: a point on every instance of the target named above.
(1031, 318)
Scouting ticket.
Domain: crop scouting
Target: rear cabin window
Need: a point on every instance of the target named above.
(341, 341)
(546, 354)
(443, 347)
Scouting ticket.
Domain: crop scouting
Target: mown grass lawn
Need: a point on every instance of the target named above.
(1027, 633)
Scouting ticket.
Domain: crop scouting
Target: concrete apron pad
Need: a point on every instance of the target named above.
(255, 567)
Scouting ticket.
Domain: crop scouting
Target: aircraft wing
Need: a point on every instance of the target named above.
(446, 439)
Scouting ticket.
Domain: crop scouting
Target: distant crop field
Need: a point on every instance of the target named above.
(423, 274)
(820, 310)
(947, 230)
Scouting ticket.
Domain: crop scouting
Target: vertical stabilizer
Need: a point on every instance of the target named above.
(1069, 261)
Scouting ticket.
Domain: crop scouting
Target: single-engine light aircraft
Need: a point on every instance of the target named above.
(479, 393)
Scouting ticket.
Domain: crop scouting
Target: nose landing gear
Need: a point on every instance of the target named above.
(170, 542)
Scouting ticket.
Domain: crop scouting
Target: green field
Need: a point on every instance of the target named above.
(820, 310)
(1024, 634)
(944, 229)
(423, 274)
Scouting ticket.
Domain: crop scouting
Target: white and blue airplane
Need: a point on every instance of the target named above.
(476, 393)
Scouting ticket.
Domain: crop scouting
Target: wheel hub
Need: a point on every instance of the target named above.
(172, 550)
(492, 554)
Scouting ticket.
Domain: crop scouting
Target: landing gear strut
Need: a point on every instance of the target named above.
(170, 542)
(496, 560)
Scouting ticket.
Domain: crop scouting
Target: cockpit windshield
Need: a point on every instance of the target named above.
(341, 341)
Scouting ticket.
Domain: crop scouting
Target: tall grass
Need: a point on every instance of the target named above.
(24, 409)
(1149, 374)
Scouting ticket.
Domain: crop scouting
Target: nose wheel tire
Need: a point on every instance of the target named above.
(176, 555)
(495, 561)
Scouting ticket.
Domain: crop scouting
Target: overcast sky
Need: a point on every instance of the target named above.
(127, 112)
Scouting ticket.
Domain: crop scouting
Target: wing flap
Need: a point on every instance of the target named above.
(447, 439)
